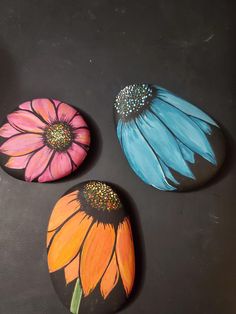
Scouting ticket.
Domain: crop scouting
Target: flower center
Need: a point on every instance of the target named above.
(101, 196)
(132, 99)
(58, 136)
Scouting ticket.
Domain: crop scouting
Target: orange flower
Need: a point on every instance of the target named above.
(90, 236)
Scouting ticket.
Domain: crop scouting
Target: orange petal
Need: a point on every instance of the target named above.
(96, 254)
(110, 278)
(125, 255)
(72, 270)
(49, 236)
(64, 208)
(67, 242)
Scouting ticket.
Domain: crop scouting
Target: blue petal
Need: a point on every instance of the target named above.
(140, 156)
(163, 142)
(203, 125)
(119, 131)
(184, 128)
(184, 105)
(187, 153)
(167, 172)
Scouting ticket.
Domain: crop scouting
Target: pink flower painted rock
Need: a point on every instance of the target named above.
(43, 140)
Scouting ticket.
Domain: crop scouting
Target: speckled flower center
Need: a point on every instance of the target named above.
(101, 197)
(58, 136)
(132, 99)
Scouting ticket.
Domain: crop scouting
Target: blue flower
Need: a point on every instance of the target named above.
(160, 132)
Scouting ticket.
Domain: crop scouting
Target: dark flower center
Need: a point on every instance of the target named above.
(58, 136)
(132, 100)
(101, 196)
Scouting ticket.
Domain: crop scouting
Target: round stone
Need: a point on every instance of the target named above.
(90, 249)
(43, 140)
(169, 143)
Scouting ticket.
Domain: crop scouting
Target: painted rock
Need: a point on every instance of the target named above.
(43, 140)
(90, 249)
(168, 142)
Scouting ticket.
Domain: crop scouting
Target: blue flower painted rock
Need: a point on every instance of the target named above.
(168, 142)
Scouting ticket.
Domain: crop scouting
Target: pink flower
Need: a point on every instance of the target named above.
(47, 138)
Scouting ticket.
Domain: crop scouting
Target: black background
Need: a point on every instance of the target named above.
(84, 52)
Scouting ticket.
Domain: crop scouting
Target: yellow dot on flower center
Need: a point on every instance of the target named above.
(101, 196)
(58, 136)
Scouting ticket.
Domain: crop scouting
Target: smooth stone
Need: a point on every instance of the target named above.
(43, 140)
(169, 143)
(90, 247)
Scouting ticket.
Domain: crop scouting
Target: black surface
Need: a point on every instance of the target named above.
(84, 52)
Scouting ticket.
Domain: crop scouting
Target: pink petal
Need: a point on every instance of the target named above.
(65, 112)
(46, 176)
(38, 163)
(18, 162)
(7, 131)
(45, 108)
(82, 136)
(26, 106)
(78, 122)
(56, 102)
(21, 144)
(74, 167)
(77, 153)
(60, 165)
(26, 121)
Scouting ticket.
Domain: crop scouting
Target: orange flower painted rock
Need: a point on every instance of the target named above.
(90, 247)
(43, 140)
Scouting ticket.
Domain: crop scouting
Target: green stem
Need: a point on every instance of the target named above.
(76, 298)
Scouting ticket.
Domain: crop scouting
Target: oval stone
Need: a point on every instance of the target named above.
(90, 248)
(169, 143)
(43, 140)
